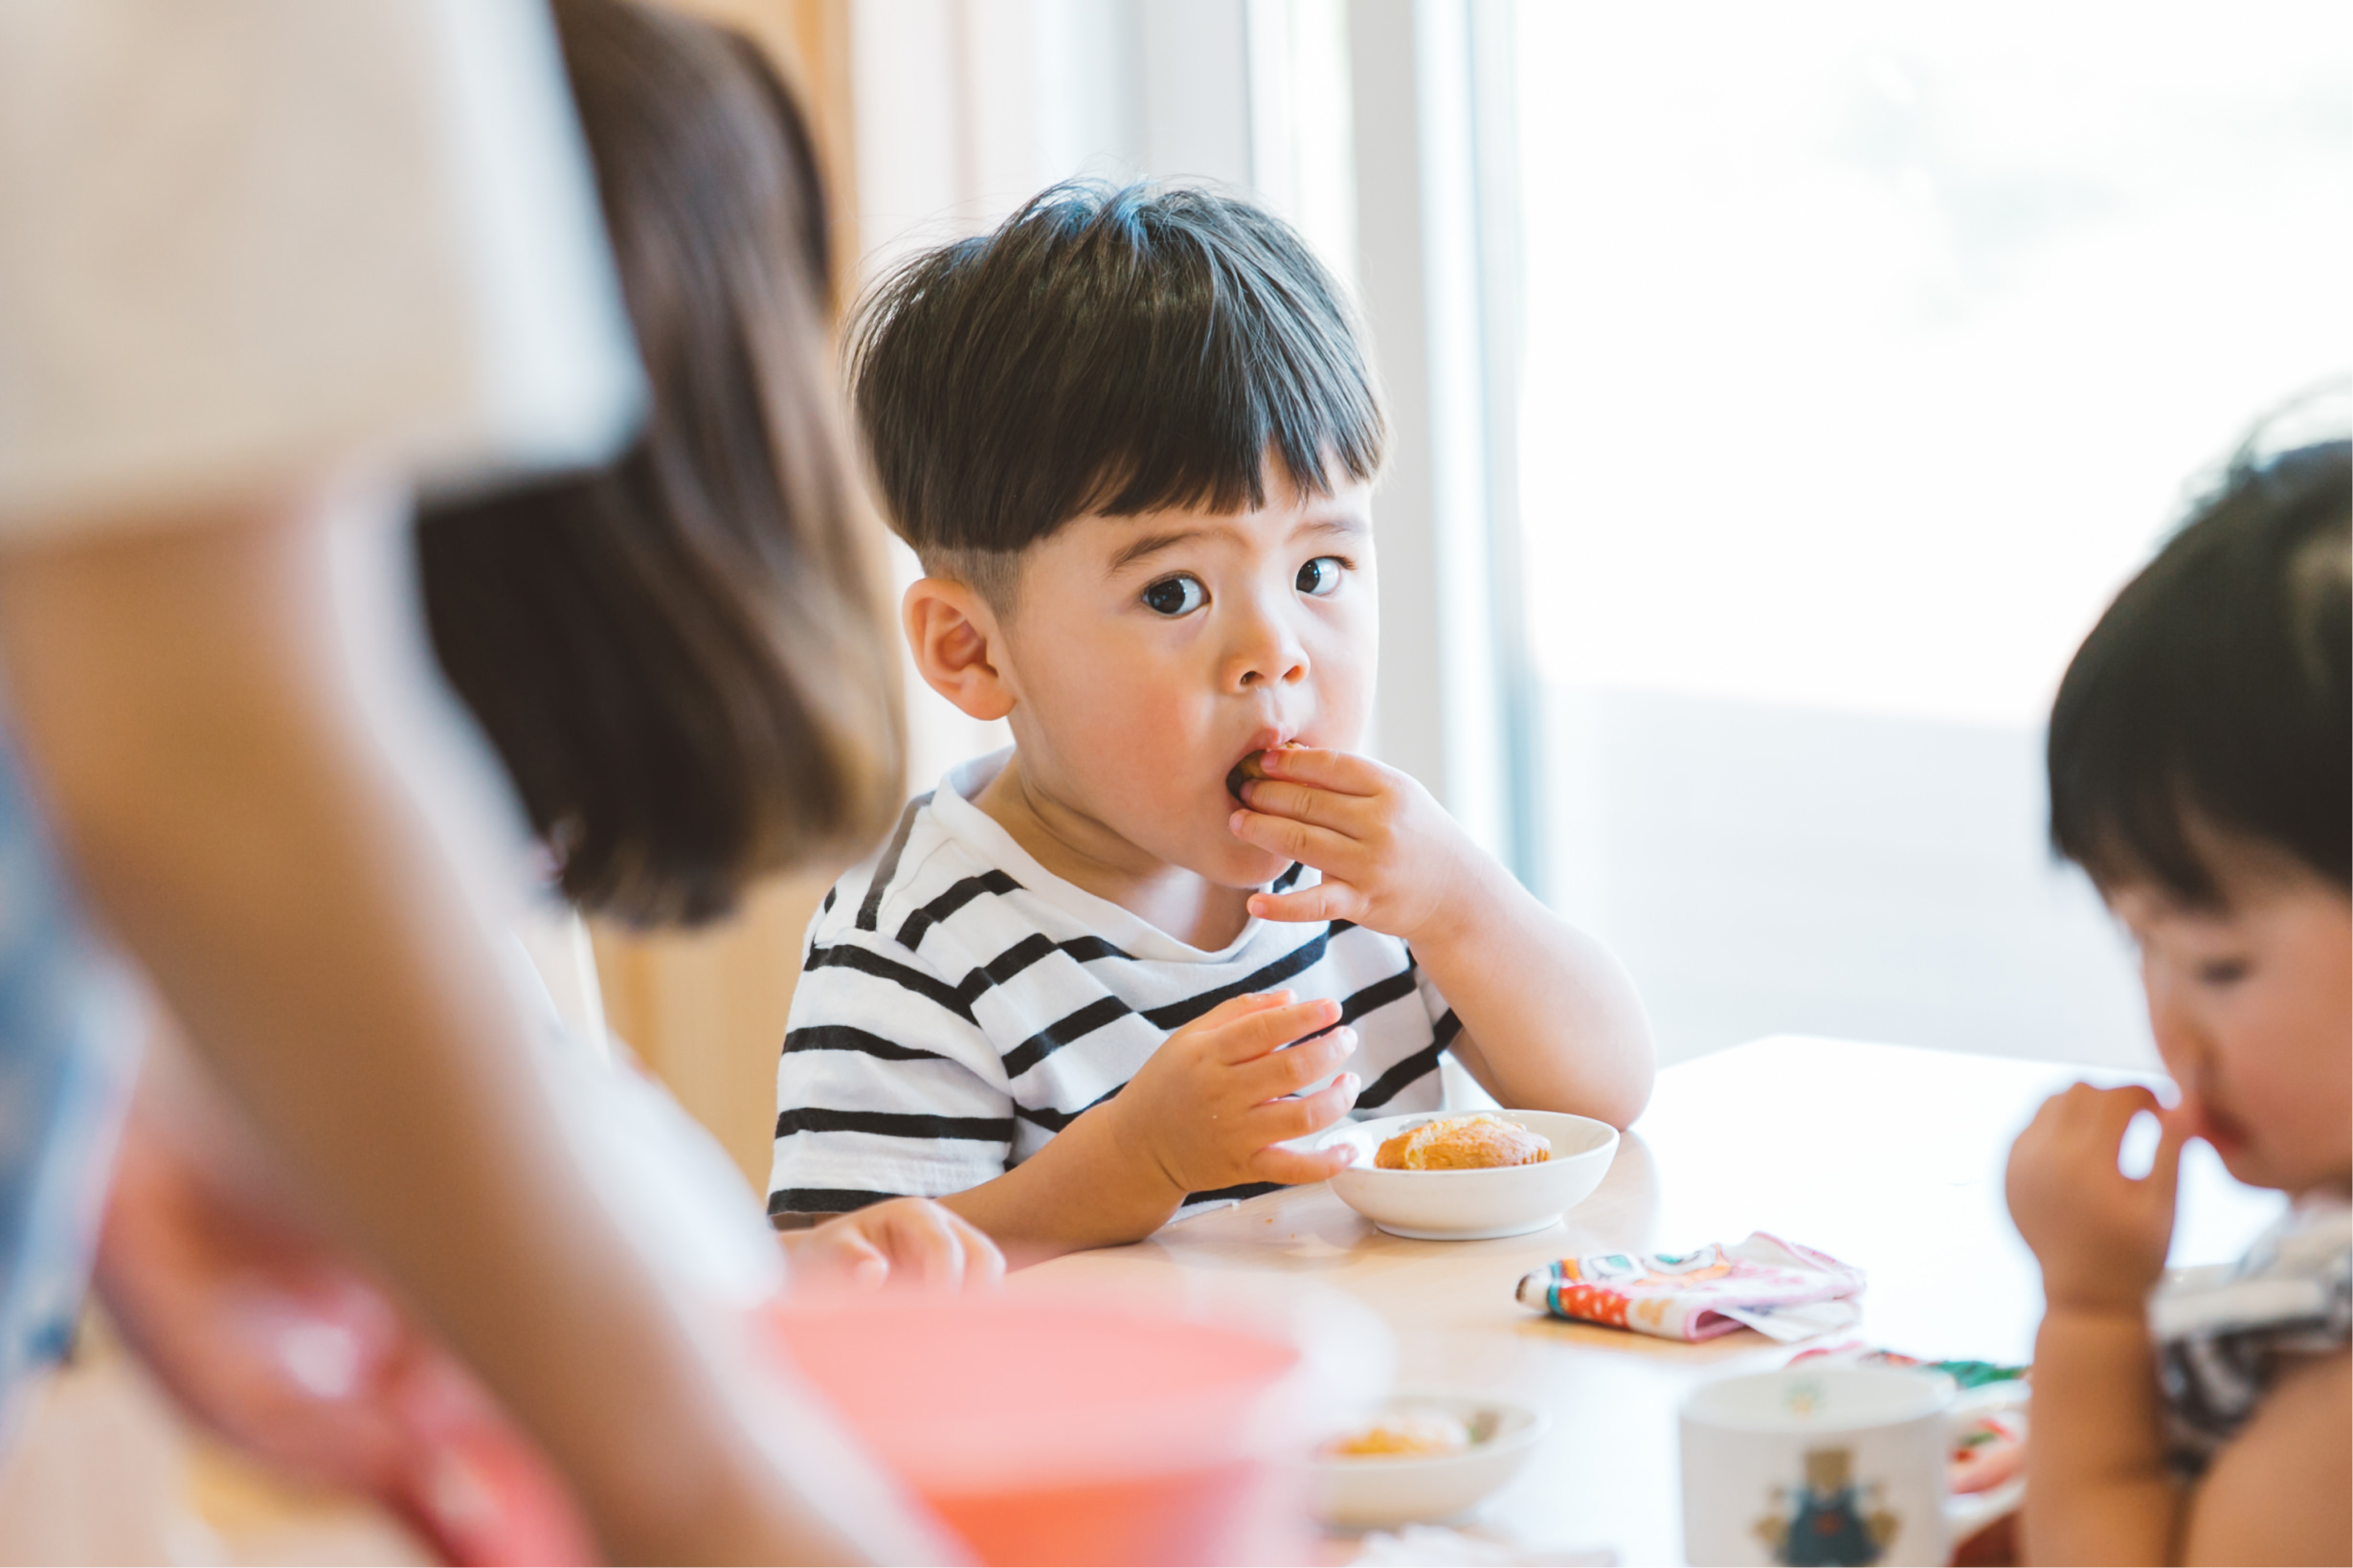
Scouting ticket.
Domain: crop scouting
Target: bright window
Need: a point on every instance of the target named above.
(1868, 349)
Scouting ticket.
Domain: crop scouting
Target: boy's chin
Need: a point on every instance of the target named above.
(1247, 866)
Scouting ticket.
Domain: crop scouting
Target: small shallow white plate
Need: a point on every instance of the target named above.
(1474, 1205)
(1385, 1492)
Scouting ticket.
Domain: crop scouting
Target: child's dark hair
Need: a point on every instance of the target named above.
(1111, 351)
(684, 659)
(2213, 695)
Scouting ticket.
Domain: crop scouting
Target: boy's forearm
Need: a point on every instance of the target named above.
(2097, 1485)
(1553, 1021)
(1088, 1187)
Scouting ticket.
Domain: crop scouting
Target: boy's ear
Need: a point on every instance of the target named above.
(955, 641)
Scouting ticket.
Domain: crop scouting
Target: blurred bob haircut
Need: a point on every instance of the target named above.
(1111, 351)
(683, 659)
(2211, 702)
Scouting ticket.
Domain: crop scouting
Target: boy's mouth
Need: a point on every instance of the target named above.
(2219, 1127)
(1251, 766)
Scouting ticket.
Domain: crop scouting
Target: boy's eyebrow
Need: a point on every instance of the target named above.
(1151, 544)
(1346, 524)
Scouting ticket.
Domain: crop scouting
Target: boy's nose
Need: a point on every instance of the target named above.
(1265, 654)
(2175, 1024)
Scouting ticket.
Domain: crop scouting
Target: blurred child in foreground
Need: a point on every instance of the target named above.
(2199, 760)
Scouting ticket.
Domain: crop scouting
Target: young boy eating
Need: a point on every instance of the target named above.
(1118, 970)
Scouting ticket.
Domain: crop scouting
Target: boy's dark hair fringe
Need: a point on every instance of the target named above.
(1106, 351)
(2212, 698)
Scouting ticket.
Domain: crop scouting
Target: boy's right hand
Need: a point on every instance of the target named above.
(1208, 1107)
(2101, 1235)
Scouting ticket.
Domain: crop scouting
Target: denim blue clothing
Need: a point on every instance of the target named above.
(68, 1046)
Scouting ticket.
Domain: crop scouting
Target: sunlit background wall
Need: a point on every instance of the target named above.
(1780, 391)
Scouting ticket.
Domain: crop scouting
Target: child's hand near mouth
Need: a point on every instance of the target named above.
(1519, 981)
(1392, 859)
(2100, 1235)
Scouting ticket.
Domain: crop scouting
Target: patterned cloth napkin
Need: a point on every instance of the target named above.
(1778, 1288)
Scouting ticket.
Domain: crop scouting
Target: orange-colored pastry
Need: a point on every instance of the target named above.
(1402, 1434)
(1463, 1143)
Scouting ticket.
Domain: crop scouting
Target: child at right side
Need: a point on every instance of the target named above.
(2201, 759)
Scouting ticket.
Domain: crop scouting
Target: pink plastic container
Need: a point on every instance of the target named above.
(1070, 1431)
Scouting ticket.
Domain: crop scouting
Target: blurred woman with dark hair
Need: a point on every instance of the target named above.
(683, 661)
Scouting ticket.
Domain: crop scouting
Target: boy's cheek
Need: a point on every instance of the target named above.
(1344, 675)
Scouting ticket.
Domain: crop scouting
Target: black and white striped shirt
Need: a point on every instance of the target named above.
(959, 1004)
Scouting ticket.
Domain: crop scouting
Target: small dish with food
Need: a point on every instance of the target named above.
(1460, 1178)
(1424, 1458)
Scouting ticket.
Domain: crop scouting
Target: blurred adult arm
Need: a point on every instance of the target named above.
(187, 700)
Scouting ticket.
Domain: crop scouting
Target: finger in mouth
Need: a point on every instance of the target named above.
(1249, 768)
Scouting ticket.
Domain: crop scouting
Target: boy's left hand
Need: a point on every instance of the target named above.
(1392, 860)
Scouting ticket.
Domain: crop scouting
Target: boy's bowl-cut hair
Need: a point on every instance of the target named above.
(1110, 350)
(2214, 694)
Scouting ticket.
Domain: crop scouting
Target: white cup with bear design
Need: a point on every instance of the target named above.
(1828, 1465)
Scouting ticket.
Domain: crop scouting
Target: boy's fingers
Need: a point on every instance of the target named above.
(1279, 1073)
(1294, 841)
(2084, 1111)
(2108, 1112)
(1286, 1120)
(2121, 1104)
(931, 1245)
(856, 1256)
(2165, 1167)
(1342, 813)
(1234, 1008)
(1248, 1038)
(1294, 1169)
(1326, 901)
(939, 1248)
(1342, 772)
(984, 1265)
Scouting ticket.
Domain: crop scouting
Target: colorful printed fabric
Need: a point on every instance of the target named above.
(1965, 1374)
(1775, 1287)
(2222, 1331)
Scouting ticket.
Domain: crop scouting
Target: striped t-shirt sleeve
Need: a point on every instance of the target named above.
(887, 1087)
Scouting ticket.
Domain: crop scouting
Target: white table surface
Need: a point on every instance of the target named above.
(1884, 1156)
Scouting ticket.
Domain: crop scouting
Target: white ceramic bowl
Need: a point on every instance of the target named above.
(1391, 1489)
(1474, 1205)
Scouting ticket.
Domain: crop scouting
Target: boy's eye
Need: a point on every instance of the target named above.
(1320, 576)
(2222, 970)
(1175, 595)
